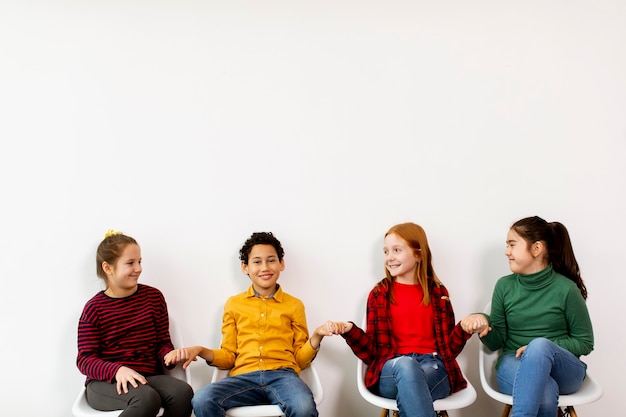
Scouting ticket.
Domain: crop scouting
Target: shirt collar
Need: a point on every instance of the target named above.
(278, 294)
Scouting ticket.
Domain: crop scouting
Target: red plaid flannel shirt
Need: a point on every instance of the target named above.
(376, 346)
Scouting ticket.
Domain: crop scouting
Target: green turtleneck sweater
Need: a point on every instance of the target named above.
(544, 304)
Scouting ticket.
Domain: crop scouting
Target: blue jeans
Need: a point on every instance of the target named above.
(536, 379)
(414, 381)
(282, 387)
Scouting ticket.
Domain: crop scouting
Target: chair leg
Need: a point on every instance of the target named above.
(442, 413)
(568, 412)
(507, 410)
(384, 412)
(395, 413)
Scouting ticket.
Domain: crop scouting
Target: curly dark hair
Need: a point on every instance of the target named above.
(260, 238)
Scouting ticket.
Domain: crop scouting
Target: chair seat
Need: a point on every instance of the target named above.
(589, 392)
(459, 399)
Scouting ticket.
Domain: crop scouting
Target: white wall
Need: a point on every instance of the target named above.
(191, 124)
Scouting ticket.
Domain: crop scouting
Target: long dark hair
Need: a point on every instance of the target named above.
(556, 238)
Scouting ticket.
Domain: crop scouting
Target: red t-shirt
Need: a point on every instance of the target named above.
(412, 321)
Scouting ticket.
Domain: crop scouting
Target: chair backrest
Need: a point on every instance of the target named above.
(487, 368)
(177, 340)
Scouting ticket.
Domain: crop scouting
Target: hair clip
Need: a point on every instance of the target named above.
(111, 232)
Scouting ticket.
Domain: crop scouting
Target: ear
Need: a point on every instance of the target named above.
(418, 255)
(244, 267)
(107, 268)
(537, 248)
(282, 264)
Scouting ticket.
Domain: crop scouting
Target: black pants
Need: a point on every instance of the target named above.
(164, 391)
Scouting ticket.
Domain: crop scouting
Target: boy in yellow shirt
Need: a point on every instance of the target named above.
(265, 341)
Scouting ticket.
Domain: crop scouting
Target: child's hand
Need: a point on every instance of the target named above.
(326, 329)
(125, 375)
(192, 355)
(476, 323)
(176, 356)
(342, 327)
(334, 327)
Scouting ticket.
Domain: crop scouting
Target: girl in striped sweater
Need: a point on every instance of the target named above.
(124, 342)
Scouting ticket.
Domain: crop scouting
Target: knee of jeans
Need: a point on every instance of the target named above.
(539, 344)
(303, 407)
(201, 397)
(403, 362)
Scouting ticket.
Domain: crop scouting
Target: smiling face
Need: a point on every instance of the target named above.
(524, 259)
(400, 259)
(123, 275)
(263, 268)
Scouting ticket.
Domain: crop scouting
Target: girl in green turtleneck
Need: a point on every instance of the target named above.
(538, 318)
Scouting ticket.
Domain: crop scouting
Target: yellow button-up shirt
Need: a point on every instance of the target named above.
(263, 333)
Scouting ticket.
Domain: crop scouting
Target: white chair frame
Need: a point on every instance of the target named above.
(589, 392)
(81, 407)
(309, 375)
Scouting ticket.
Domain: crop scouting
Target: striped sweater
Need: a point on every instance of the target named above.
(132, 331)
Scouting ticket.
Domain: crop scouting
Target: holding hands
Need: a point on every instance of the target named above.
(177, 356)
(476, 323)
(334, 327)
(328, 329)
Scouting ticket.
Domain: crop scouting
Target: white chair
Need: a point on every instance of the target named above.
(308, 375)
(81, 408)
(459, 399)
(589, 392)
